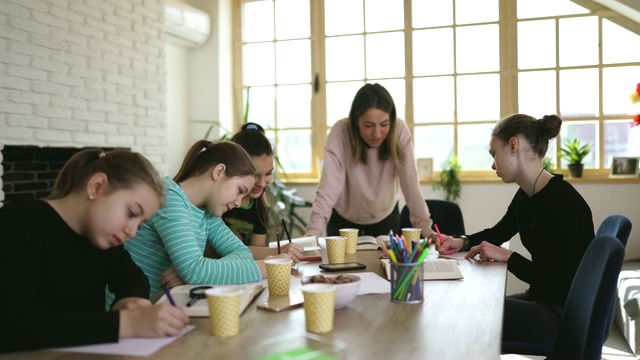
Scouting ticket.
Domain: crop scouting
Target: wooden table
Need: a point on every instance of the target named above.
(459, 319)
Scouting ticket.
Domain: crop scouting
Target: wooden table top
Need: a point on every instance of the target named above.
(459, 319)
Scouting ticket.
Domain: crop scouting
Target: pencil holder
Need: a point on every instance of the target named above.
(407, 283)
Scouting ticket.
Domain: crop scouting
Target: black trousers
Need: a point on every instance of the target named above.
(391, 222)
(530, 321)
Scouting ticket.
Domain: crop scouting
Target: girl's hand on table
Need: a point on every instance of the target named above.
(171, 279)
(489, 252)
(152, 321)
(295, 251)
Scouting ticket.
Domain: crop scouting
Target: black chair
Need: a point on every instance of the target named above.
(619, 227)
(583, 327)
(446, 214)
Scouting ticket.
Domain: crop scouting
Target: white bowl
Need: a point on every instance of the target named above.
(345, 292)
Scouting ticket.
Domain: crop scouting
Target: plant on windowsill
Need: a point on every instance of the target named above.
(449, 179)
(574, 152)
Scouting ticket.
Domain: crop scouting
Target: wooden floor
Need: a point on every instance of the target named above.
(616, 348)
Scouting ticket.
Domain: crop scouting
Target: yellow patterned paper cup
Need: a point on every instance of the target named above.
(411, 234)
(278, 276)
(319, 300)
(224, 310)
(336, 248)
(352, 239)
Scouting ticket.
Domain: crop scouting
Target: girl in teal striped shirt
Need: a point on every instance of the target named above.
(169, 248)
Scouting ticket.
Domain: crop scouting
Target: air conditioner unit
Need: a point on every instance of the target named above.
(184, 25)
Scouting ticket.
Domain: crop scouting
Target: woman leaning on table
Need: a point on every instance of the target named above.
(554, 222)
(367, 156)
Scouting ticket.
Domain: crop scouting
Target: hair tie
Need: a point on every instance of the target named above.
(251, 127)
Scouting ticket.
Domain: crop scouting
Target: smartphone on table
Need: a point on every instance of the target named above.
(343, 266)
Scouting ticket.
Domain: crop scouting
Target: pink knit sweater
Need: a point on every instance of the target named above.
(366, 194)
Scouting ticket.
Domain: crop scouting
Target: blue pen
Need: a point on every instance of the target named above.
(168, 293)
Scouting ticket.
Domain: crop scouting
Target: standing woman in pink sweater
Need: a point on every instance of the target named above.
(367, 157)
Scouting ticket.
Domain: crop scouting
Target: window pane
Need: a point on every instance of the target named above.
(294, 150)
(435, 142)
(433, 100)
(478, 97)
(536, 44)
(259, 72)
(262, 107)
(339, 98)
(345, 58)
(585, 132)
(541, 8)
(381, 15)
(476, 11)
(258, 21)
(294, 106)
(579, 41)
(395, 87)
(473, 146)
(537, 93)
(293, 61)
(343, 17)
(477, 48)
(426, 13)
(379, 63)
(617, 85)
(619, 140)
(619, 44)
(579, 92)
(433, 52)
(292, 19)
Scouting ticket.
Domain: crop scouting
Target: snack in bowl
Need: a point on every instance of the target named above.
(347, 286)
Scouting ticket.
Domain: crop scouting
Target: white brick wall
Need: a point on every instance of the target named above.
(83, 73)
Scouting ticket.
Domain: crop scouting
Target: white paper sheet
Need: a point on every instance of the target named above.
(128, 347)
(372, 283)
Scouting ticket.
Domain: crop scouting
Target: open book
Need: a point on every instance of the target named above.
(438, 269)
(200, 308)
(309, 243)
(367, 242)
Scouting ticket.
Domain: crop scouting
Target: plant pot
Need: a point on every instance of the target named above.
(575, 170)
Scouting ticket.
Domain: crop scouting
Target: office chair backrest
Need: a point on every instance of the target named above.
(583, 325)
(617, 226)
(446, 214)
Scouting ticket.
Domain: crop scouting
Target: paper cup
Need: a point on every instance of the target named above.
(319, 300)
(278, 276)
(336, 248)
(352, 239)
(411, 234)
(224, 311)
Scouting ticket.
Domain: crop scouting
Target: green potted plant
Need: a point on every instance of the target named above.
(574, 152)
(449, 179)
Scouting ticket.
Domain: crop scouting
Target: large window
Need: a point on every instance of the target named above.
(454, 68)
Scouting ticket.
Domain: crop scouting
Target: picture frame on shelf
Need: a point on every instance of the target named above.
(624, 166)
(425, 168)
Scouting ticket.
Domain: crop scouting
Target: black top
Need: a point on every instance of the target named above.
(556, 227)
(54, 281)
(245, 221)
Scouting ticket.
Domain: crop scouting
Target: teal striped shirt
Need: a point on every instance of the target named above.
(176, 235)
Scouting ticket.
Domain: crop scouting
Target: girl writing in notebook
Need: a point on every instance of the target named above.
(250, 220)
(60, 253)
(554, 222)
(213, 179)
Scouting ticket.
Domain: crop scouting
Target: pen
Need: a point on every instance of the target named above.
(168, 293)
(446, 251)
(284, 226)
(278, 240)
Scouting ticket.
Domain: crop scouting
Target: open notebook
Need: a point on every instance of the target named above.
(200, 308)
(367, 242)
(309, 243)
(438, 269)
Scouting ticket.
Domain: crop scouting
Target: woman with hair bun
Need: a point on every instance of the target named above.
(554, 222)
